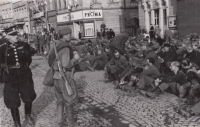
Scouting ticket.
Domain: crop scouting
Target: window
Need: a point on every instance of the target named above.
(165, 16)
(157, 17)
(51, 5)
(112, 1)
(96, 1)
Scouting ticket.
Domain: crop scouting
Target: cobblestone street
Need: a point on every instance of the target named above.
(99, 105)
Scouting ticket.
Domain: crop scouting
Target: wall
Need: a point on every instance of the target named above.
(188, 21)
(141, 15)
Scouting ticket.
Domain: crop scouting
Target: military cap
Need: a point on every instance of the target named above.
(65, 31)
(166, 45)
(144, 63)
(12, 30)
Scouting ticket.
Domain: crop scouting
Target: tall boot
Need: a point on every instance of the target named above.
(70, 116)
(60, 110)
(28, 118)
(16, 117)
(116, 84)
(155, 93)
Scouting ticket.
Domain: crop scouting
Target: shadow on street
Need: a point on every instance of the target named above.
(46, 98)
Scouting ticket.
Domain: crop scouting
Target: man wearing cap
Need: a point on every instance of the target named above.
(99, 61)
(18, 77)
(166, 55)
(148, 74)
(117, 67)
(192, 54)
(174, 82)
(68, 60)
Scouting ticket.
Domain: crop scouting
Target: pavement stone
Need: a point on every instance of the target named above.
(99, 105)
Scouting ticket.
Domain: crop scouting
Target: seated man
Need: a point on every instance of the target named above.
(99, 61)
(171, 82)
(147, 76)
(117, 67)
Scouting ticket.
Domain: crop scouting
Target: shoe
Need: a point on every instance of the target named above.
(142, 92)
(90, 68)
(116, 84)
(108, 80)
(154, 94)
(29, 119)
(16, 117)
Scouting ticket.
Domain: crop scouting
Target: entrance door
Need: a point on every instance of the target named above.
(76, 29)
(157, 17)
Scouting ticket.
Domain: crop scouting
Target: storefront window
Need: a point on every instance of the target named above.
(165, 16)
(157, 17)
(89, 29)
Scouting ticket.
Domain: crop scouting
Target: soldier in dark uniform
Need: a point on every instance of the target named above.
(18, 79)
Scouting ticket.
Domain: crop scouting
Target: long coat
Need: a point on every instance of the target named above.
(18, 80)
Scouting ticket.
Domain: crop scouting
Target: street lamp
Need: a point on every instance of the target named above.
(46, 17)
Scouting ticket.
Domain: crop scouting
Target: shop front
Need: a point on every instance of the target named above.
(84, 21)
(38, 22)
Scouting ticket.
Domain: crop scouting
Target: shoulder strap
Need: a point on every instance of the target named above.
(5, 60)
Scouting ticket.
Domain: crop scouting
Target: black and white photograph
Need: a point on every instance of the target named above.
(99, 63)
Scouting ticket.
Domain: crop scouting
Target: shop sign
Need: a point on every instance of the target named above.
(63, 18)
(38, 15)
(20, 20)
(76, 15)
(88, 14)
(172, 22)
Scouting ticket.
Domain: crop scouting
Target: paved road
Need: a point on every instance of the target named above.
(99, 105)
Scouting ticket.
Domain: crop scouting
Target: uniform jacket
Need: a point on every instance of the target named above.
(42, 39)
(152, 72)
(180, 78)
(120, 62)
(18, 52)
(103, 57)
(194, 56)
(168, 56)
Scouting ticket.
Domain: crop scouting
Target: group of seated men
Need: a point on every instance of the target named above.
(150, 67)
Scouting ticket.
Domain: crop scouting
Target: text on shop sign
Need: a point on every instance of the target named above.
(92, 14)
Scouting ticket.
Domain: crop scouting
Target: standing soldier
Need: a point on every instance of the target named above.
(18, 77)
(67, 63)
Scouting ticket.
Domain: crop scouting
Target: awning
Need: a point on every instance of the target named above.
(19, 23)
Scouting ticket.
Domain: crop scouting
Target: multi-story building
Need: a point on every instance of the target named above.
(6, 14)
(87, 16)
(21, 14)
(158, 12)
(43, 15)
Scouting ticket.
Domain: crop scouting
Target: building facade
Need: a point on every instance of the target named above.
(188, 17)
(158, 12)
(43, 15)
(88, 15)
(21, 15)
(6, 14)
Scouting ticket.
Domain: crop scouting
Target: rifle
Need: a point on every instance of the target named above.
(61, 71)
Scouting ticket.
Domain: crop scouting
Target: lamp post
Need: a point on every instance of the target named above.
(46, 16)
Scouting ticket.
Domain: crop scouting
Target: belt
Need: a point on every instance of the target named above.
(16, 66)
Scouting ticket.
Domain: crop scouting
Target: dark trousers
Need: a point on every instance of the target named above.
(42, 48)
(114, 71)
(98, 64)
